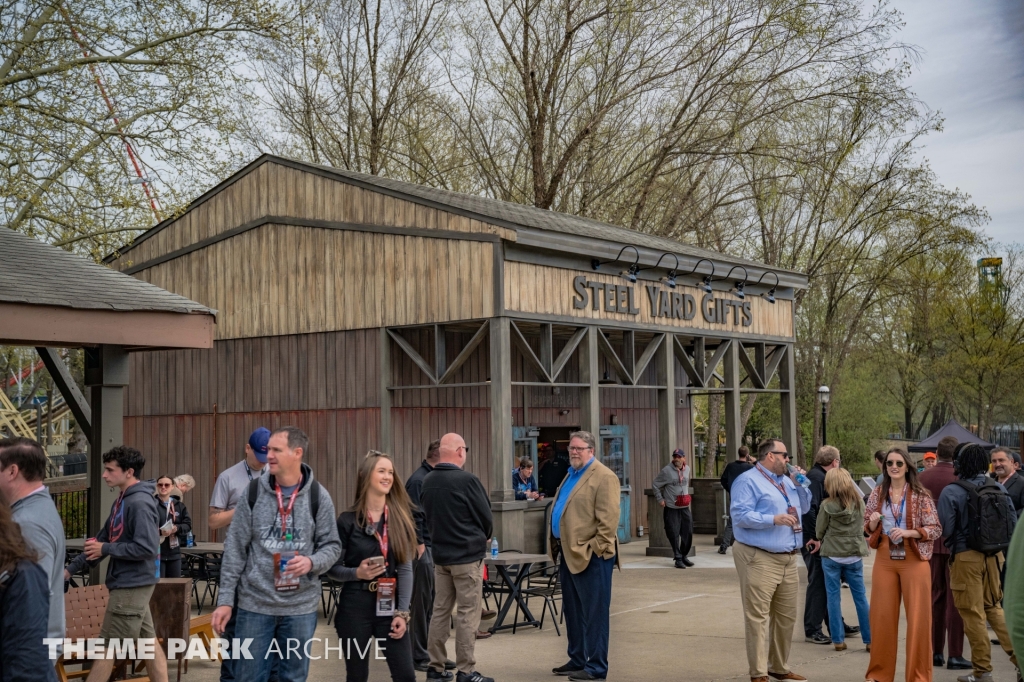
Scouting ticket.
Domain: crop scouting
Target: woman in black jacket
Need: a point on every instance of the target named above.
(24, 608)
(378, 543)
(175, 525)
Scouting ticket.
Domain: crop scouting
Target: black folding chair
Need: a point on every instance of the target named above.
(543, 582)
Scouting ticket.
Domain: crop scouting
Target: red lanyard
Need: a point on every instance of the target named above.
(117, 519)
(382, 540)
(285, 513)
(775, 483)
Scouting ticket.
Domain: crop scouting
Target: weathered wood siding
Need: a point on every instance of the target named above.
(272, 189)
(281, 279)
(544, 290)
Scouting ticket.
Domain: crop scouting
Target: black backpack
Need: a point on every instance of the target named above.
(314, 496)
(990, 517)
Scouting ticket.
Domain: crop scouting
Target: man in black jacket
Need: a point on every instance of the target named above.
(731, 473)
(460, 524)
(816, 601)
(422, 606)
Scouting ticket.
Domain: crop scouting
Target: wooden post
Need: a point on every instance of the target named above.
(590, 396)
(733, 400)
(106, 375)
(501, 410)
(787, 399)
(384, 441)
(666, 373)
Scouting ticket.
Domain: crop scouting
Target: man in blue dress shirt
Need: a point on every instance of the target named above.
(767, 505)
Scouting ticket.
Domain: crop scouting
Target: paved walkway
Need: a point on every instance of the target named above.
(666, 624)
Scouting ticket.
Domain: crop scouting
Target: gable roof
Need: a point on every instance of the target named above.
(518, 217)
(36, 273)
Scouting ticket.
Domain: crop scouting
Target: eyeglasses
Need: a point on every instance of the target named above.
(574, 449)
(898, 463)
(776, 452)
(163, 485)
(463, 447)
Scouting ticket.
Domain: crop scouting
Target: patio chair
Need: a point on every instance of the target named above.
(84, 608)
(205, 567)
(82, 576)
(329, 602)
(543, 582)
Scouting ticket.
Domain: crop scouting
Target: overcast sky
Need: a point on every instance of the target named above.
(972, 70)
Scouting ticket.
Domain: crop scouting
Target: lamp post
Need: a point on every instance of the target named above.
(823, 396)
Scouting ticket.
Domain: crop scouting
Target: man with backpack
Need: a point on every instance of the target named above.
(283, 536)
(977, 519)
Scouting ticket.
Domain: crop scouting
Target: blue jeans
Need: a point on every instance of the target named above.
(854, 575)
(586, 600)
(292, 665)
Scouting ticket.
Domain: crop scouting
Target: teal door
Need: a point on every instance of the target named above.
(615, 455)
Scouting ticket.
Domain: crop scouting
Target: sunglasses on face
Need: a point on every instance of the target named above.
(163, 485)
(898, 463)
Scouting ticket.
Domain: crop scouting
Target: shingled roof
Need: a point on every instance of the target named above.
(36, 273)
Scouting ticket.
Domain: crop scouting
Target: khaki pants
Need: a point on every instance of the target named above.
(769, 586)
(128, 615)
(458, 587)
(974, 578)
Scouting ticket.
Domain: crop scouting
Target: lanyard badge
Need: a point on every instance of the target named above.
(897, 550)
(282, 582)
(386, 588)
(790, 509)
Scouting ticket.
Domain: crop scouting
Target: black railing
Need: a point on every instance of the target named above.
(73, 508)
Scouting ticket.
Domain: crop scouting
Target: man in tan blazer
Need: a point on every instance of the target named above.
(584, 518)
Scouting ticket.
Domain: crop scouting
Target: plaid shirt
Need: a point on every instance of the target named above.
(923, 518)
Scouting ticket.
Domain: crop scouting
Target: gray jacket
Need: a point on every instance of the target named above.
(134, 552)
(667, 485)
(44, 532)
(255, 536)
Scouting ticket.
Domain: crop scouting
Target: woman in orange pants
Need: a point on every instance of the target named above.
(902, 522)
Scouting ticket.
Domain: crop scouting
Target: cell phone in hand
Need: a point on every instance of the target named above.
(376, 561)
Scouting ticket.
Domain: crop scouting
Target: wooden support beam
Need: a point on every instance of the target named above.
(464, 354)
(733, 418)
(440, 352)
(665, 366)
(590, 397)
(68, 388)
(787, 382)
(501, 410)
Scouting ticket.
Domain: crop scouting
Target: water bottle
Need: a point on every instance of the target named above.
(158, 568)
(494, 547)
(800, 478)
(190, 540)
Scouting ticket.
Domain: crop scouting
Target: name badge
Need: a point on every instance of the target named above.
(283, 583)
(897, 551)
(386, 592)
(791, 510)
(172, 541)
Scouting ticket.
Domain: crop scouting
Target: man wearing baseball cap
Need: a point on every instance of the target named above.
(672, 490)
(930, 460)
(231, 486)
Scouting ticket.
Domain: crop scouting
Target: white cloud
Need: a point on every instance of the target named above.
(972, 71)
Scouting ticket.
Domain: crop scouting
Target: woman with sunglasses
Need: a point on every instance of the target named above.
(901, 521)
(175, 525)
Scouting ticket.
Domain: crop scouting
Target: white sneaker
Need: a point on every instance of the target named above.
(971, 677)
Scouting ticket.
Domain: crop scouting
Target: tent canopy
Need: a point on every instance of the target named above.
(951, 428)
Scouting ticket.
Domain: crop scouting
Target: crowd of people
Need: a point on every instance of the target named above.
(943, 539)
(409, 557)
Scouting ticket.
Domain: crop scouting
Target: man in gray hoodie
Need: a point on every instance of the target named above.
(282, 537)
(22, 470)
(131, 538)
(672, 490)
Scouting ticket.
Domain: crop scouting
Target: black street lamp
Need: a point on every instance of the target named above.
(823, 396)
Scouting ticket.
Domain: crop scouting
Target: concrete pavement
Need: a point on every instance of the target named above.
(666, 624)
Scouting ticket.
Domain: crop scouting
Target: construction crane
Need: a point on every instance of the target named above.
(133, 154)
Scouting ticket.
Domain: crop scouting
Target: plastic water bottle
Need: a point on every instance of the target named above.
(190, 540)
(158, 568)
(494, 547)
(800, 478)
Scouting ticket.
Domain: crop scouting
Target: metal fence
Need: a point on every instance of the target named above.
(73, 508)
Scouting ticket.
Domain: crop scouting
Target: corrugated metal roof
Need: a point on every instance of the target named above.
(36, 273)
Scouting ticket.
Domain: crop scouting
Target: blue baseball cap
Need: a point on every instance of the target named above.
(258, 442)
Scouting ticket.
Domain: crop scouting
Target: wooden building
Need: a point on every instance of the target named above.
(379, 314)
